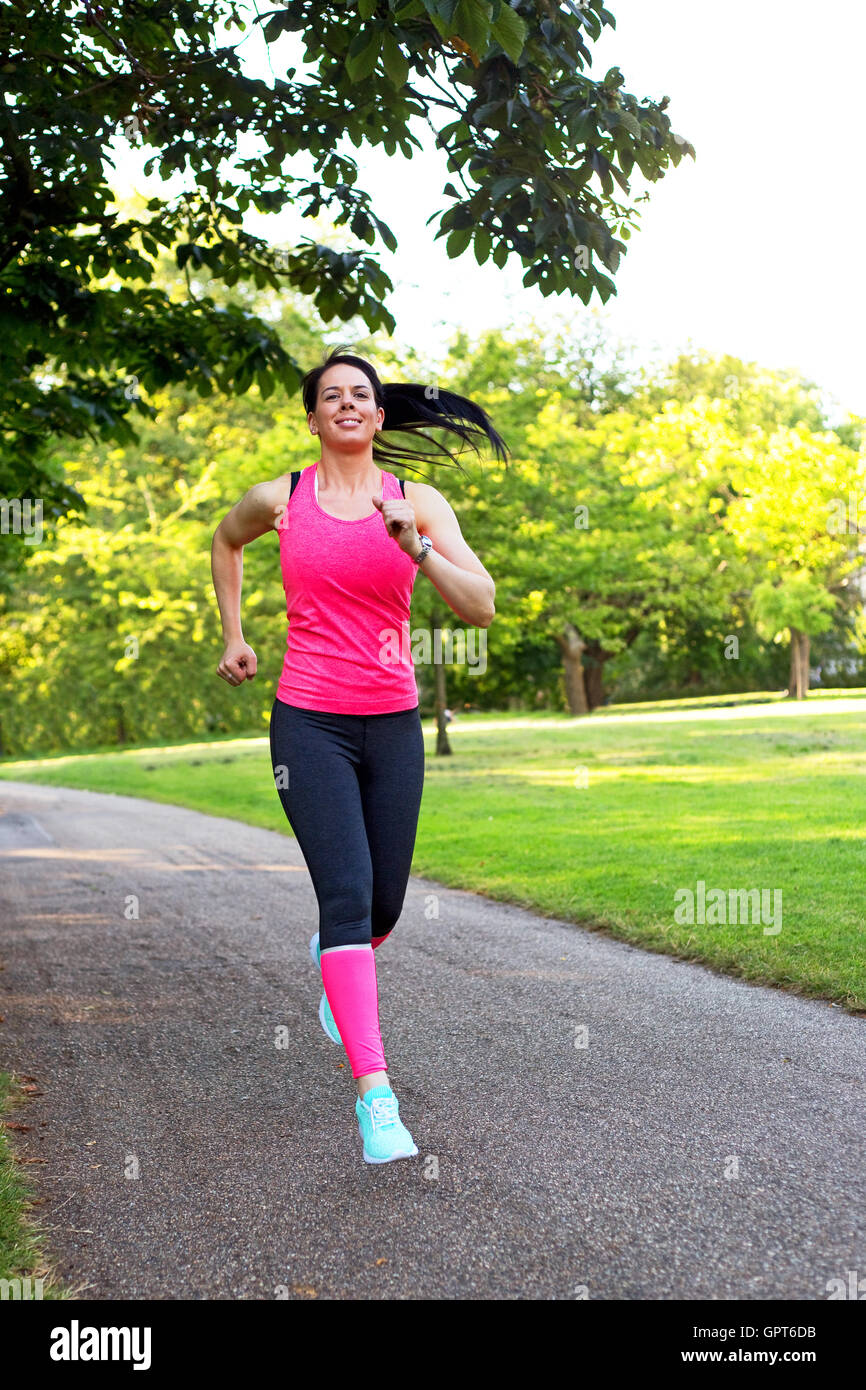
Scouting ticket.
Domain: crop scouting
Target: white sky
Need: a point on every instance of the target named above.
(754, 248)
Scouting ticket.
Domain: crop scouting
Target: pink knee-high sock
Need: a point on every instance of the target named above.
(349, 977)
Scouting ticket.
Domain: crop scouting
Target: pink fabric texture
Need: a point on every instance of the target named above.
(349, 977)
(348, 589)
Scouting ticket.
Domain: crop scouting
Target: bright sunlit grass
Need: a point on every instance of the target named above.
(603, 820)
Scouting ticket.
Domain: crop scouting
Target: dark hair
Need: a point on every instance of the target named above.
(414, 407)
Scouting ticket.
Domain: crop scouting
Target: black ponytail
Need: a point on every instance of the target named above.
(415, 408)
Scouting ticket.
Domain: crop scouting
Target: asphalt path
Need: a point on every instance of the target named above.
(593, 1120)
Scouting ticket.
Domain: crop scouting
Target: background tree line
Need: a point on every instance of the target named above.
(655, 533)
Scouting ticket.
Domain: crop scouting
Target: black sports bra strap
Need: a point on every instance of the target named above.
(296, 478)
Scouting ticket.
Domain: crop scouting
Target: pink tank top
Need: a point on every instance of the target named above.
(348, 592)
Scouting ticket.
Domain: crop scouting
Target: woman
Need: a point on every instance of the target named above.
(345, 731)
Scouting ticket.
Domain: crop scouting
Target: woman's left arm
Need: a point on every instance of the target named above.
(451, 566)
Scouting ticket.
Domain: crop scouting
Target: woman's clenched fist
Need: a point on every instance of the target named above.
(238, 664)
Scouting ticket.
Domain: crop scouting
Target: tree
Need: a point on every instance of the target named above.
(659, 526)
(606, 531)
(538, 148)
(755, 396)
(789, 511)
(517, 379)
(111, 632)
(801, 607)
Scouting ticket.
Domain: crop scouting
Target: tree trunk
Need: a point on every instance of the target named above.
(443, 747)
(593, 678)
(596, 660)
(803, 683)
(121, 725)
(798, 680)
(593, 671)
(572, 646)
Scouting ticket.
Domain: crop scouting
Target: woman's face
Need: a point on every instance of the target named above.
(346, 414)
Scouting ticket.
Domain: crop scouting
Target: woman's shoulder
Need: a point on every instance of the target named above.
(271, 497)
(280, 487)
(428, 502)
(420, 489)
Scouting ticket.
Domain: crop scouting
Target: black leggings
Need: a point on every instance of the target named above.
(350, 785)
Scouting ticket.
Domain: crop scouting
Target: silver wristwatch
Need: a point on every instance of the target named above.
(426, 547)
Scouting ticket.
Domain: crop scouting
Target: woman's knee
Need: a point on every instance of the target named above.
(345, 916)
(345, 933)
(385, 914)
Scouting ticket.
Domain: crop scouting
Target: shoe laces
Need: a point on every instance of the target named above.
(383, 1112)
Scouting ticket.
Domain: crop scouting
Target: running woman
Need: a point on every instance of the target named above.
(345, 730)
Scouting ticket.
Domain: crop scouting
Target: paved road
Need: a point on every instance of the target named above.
(544, 1168)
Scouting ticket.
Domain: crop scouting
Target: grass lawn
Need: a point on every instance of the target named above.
(20, 1258)
(606, 821)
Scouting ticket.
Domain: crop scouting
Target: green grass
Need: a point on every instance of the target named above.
(742, 792)
(20, 1257)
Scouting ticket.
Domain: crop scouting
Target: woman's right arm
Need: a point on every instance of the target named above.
(250, 518)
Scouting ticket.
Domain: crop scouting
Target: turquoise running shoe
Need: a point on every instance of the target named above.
(326, 1018)
(383, 1132)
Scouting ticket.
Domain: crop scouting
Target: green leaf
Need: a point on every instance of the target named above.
(604, 286)
(385, 232)
(504, 185)
(273, 28)
(482, 245)
(447, 131)
(458, 242)
(632, 125)
(461, 216)
(509, 31)
(470, 23)
(620, 178)
(396, 63)
(484, 114)
(367, 8)
(363, 54)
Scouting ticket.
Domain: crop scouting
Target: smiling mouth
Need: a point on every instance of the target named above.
(349, 420)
